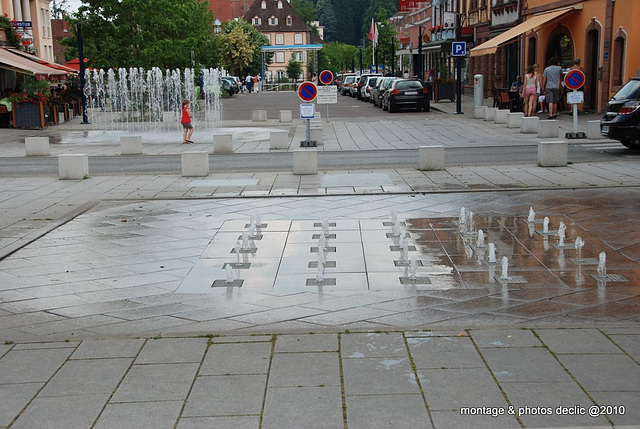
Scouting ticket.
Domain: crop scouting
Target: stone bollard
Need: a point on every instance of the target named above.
(548, 129)
(131, 145)
(316, 133)
(305, 161)
(258, 115)
(431, 157)
(501, 116)
(552, 154)
(195, 163)
(222, 143)
(529, 125)
(513, 119)
(490, 114)
(73, 166)
(593, 130)
(278, 140)
(36, 146)
(478, 112)
(60, 118)
(286, 116)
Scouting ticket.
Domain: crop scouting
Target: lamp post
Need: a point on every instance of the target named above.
(459, 67)
(85, 119)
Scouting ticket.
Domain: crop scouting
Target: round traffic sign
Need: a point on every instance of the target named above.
(574, 79)
(326, 77)
(307, 91)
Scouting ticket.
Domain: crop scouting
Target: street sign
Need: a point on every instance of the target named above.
(23, 24)
(307, 91)
(459, 49)
(327, 95)
(326, 77)
(307, 111)
(574, 79)
(575, 97)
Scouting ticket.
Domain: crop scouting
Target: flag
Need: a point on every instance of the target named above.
(372, 31)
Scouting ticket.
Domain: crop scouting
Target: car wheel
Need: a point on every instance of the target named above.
(631, 144)
(384, 106)
(391, 109)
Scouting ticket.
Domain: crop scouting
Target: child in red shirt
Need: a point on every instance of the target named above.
(186, 123)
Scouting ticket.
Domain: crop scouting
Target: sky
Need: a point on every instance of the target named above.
(74, 4)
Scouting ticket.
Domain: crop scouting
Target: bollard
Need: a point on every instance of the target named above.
(478, 112)
(501, 116)
(490, 113)
(305, 161)
(222, 143)
(258, 115)
(513, 119)
(552, 154)
(548, 129)
(431, 157)
(73, 166)
(36, 146)
(278, 140)
(286, 116)
(131, 145)
(529, 125)
(195, 163)
(593, 130)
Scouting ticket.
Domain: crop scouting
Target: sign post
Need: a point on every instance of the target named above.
(307, 91)
(326, 78)
(459, 50)
(573, 80)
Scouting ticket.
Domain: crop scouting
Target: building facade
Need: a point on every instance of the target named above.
(277, 20)
(38, 38)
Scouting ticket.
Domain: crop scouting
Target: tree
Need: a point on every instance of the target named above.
(337, 56)
(145, 33)
(237, 52)
(255, 40)
(327, 18)
(294, 69)
(59, 8)
(304, 9)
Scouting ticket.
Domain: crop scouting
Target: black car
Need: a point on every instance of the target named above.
(406, 94)
(622, 119)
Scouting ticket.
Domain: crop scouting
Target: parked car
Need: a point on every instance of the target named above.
(339, 80)
(345, 88)
(358, 90)
(366, 88)
(378, 90)
(621, 121)
(237, 79)
(230, 85)
(406, 94)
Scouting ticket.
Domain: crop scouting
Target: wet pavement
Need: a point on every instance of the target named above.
(117, 308)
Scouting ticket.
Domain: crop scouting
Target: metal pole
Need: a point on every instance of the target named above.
(85, 119)
(459, 69)
(308, 131)
(420, 63)
(575, 115)
(327, 113)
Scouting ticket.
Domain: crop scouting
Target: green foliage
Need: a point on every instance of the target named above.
(305, 9)
(7, 26)
(327, 18)
(294, 69)
(145, 33)
(255, 41)
(337, 57)
(59, 8)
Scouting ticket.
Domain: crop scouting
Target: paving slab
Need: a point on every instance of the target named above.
(172, 350)
(602, 373)
(444, 352)
(453, 419)
(505, 338)
(379, 376)
(309, 407)
(573, 341)
(143, 415)
(156, 382)
(231, 395)
(13, 398)
(389, 344)
(524, 364)
(304, 369)
(224, 422)
(392, 411)
(62, 412)
(31, 366)
(109, 348)
(307, 343)
(237, 358)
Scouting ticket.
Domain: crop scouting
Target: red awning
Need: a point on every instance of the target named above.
(18, 63)
(43, 62)
(75, 64)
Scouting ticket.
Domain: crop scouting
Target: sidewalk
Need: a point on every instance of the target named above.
(110, 316)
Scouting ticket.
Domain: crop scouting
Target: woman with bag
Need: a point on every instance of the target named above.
(530, 91)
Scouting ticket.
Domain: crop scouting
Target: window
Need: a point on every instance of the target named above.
(289, 21)
(217, 26)
(617, 73)
(273, 20)
(279, 57)
(257, 21)
(279, 5)
(279, 39)
(264, 4)
(297, 39)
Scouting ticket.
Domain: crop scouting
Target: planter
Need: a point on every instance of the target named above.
(28, 115)
(444, 91)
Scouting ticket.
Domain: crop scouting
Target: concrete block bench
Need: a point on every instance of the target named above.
(286, 116)
(552, 154)
(195, 163)
(305, 161)
(222, 143)
(549, 129)
(73, 166)
(36, 146)
(501, 116)
(593, 130)
(490, 114)
(513, 119)
(431, 157)
(478, 112)
(131, 145)
(278, 140)
(529, 125)
(258, 115)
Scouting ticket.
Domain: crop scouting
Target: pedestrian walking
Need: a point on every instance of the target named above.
(186, 119)
(249, 81)
(551, 78)
(529, 91)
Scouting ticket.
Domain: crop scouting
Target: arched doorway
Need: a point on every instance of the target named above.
(560, 46)
(532, 51)
(591, 55)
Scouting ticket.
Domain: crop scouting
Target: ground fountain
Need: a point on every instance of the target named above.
(561, 234)
(545, 225)
(480, 240)
(602, 264)
(579, 244)
(413, 268)
(492, 253)
(532, 216)
(505, 268)
(228, 270)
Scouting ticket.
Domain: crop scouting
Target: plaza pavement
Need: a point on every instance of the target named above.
(100, 329)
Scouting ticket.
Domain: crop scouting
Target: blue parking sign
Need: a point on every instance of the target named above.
(459, 49)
